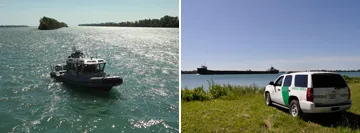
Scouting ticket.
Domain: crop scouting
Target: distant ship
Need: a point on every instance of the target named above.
(204, 71)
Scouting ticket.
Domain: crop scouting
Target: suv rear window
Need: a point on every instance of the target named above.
(328, 80)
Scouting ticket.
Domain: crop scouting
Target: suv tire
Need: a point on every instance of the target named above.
(268, 99)
(294, 109)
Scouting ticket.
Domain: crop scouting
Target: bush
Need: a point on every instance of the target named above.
(349, 79)
(215, 91)
(197, 94)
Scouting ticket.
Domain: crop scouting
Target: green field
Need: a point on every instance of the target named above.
(226, 108)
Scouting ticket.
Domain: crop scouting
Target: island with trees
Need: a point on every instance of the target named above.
(166, 21)
(47, 23)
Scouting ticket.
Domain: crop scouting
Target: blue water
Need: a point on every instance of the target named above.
(192, 80)
(147, 59)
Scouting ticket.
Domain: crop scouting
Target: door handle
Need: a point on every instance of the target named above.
(278, 89)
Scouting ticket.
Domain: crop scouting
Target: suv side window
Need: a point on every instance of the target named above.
(287, 81)
(301, 80)
(279, 81)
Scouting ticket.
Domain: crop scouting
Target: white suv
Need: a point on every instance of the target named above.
(309, 92)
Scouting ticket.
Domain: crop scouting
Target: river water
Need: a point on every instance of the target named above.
(192, 80)
(147, 59)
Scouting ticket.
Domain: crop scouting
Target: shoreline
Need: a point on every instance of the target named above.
(13, 26)
(165, 21)
(127, 26)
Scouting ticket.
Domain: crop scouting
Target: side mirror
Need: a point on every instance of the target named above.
(271, 83)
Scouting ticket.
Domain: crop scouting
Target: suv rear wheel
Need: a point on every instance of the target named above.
(294, 109)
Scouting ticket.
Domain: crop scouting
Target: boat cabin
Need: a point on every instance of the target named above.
(273, 69)
(203, 67)
(87, 66)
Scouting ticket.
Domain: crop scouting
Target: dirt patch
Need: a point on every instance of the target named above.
(267, 124)
(246, 115)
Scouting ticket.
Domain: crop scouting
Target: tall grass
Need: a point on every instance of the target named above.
(351, 80)
(215, 91)
(197, 94)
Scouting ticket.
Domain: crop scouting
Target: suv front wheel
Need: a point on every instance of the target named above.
(268, 99)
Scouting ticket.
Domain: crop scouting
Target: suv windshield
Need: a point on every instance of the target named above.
(328, 80)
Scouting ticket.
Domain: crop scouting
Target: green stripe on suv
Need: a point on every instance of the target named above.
(285, 95)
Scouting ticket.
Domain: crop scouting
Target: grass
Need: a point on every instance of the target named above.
(226, 108)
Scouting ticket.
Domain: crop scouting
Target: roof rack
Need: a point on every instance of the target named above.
(288, 72)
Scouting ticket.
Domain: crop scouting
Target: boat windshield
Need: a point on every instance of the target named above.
(102, 66)
(94, 68)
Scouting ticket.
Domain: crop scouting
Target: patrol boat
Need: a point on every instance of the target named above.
(85, 72)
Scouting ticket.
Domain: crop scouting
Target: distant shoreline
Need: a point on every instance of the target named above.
(164, 22)
(12, 26)
(125, 26)
(195, 71)
(189, 72)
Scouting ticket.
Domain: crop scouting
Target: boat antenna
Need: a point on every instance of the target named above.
(51, 67)
(74, 48)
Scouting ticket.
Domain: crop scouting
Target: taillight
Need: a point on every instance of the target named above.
(309, 95)
(349, 92)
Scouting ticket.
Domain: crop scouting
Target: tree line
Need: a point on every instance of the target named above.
(166, 21)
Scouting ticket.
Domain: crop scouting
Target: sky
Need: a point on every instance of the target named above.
(258, 34)
(74, 12)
